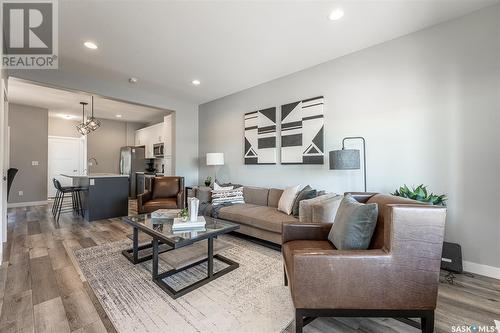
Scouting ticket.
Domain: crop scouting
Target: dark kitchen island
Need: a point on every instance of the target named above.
(105, 195)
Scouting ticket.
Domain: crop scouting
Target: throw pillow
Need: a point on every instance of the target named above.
(232, 196)
(306, 206)
(326, 210)
(354, 225)
(306, 194)
(286, 201)
(295, 202)
(217, 187)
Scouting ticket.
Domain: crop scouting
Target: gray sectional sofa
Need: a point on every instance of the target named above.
(259, 217)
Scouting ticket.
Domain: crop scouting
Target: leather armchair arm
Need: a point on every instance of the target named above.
(305, 231)
(180, 200)
(343, 279)
(142, 199)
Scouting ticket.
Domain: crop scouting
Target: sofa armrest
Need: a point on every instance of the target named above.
(305, 231)
(142, 199)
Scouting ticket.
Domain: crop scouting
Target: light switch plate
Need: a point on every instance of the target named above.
(34, 163)
(21, 193)
(92, 182)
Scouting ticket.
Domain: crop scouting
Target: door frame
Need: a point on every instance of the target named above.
(83, 159)
(4, 160)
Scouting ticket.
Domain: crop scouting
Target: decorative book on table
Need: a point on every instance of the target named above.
(179, 224)
(165, 213)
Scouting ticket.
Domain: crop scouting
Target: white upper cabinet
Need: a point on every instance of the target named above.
(168, 135)
(158, 133)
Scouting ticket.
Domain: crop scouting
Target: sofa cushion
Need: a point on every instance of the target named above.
(234, 196)
(354, 225)
(307, 193)
(287, 199)
(165, 187)
(262, 217)
(255, 195)
(326, 210)
(274, 197)
(306, 206)
(203, 193)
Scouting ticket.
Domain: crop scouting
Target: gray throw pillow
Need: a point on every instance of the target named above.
(354, 225)
(300, 196)
(303, 196)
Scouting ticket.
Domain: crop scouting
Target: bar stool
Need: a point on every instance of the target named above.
(76, 201)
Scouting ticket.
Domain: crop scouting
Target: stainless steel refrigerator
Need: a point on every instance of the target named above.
(131, 161)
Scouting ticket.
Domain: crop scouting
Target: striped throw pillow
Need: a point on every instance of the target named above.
(233, 196)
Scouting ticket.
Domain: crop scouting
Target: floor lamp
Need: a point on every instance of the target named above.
(215, 159)
(348, 159)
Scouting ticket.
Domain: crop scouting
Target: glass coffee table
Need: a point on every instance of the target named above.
(164, 239)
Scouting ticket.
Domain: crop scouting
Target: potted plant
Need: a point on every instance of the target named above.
(208, 181)
(184, 214)
(419, 193)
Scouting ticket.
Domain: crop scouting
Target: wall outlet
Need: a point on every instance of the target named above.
(21, 193)
(34, 163)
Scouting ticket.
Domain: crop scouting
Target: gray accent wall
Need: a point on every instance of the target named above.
(63, 127)
(428, 105)
(28, 142)
(104, 144)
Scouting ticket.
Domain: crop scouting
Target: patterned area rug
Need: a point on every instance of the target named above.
(251, 298)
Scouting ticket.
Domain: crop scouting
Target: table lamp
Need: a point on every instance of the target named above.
(215, 159)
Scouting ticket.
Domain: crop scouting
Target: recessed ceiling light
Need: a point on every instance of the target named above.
(67, 116)
(196, 82)
(336, 14)
(118, 116)
(90, 45)
(133, 80)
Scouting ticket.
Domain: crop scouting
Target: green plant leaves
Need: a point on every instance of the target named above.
(420, 193)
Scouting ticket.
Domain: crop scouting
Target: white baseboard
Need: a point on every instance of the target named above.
(489, 271)
(26, 204)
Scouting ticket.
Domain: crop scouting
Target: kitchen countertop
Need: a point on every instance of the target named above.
(159, 174)
(96, 175)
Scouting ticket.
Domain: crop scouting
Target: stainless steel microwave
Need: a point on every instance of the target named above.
(158, 150)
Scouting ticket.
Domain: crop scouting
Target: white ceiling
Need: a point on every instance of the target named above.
(64, 103)
(230, 45)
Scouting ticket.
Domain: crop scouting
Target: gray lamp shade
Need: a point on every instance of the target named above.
(345, 159)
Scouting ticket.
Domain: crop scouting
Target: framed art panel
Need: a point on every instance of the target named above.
(260, 137)
(302, 137)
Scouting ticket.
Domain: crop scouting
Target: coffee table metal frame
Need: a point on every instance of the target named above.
(162, 243)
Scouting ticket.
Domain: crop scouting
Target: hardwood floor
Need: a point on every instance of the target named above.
(41, 289)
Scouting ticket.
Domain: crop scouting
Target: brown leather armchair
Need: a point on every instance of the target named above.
(165, 193)
(396, 277)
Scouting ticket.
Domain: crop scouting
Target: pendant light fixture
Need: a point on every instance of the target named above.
(82, 128)
(93, 123)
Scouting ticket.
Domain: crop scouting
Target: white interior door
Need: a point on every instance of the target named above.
(65, 156)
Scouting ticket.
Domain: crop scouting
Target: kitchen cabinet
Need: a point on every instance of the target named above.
(158, 133)
(149, 136)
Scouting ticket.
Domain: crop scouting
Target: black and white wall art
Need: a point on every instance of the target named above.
(302, 132)
(260, 137)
